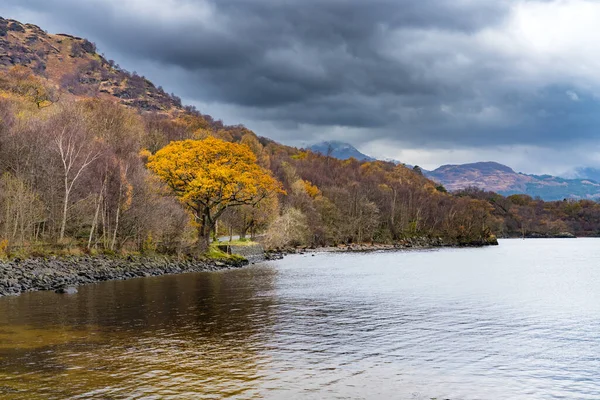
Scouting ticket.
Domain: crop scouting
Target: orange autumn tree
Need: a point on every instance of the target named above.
(211, 175)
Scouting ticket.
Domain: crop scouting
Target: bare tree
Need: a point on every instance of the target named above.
(76, 156)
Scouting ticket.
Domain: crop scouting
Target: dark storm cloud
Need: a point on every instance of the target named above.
(401, 69)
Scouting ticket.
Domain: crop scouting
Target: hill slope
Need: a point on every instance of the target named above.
(72, 64)
(501, 179)
(119, 119)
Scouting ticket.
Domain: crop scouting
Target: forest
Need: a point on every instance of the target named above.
(521, 215)
(74, 175)
(98, 160)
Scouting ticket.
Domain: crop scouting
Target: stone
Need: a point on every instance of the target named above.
(67, 290)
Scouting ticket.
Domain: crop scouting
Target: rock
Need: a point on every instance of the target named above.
(16, 27)
(67, 290)
(565, 235)
(62, 275)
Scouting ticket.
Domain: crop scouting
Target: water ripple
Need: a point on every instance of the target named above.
(515, 322)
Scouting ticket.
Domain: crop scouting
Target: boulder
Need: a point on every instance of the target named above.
(16, 27)
(566, 235)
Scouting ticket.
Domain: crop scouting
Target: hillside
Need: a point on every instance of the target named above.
(77, 134)
(72, 64)
(72, 67)
(501, 179)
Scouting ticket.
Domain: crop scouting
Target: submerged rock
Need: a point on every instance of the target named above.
(566, 235)
(67, 290)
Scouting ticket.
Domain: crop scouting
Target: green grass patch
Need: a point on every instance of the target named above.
(241, 242)
(214, 253)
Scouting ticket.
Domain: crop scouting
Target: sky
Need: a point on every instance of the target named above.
(426, 82)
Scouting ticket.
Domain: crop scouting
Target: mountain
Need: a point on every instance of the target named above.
(588, 173)
(72, 64)
(339, 150)
(504, 180)
(489, 176)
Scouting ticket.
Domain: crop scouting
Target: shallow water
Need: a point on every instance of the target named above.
(518, 321)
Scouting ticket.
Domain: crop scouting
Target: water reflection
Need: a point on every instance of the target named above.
(519, 321)
(147, 337)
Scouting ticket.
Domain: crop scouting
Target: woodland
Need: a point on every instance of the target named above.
(98, 160)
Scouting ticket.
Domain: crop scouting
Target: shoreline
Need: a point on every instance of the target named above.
(407, 244)
(63, 275)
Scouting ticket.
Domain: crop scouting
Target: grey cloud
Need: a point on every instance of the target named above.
(369, 66)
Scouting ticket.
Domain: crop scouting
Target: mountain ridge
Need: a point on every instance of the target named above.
(487, 175)
(73, 65)
(504, 180)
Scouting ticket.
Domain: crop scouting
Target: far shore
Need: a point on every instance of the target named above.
(422, 243)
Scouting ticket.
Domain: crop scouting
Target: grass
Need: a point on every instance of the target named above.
(214, 253)
(73, 248)
(239, 242)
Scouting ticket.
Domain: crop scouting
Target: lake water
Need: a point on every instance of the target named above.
(518, 321)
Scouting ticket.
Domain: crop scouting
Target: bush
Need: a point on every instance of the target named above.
(289, 229)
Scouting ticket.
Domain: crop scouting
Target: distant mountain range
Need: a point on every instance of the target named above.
(491, 176)
(502, 179)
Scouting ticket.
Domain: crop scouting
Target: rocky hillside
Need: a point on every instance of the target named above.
(501, 179)
(73, 65)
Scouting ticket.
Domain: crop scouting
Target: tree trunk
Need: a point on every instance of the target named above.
(114, 238)
(204, 230)
(63, 224)
(94, 223)
(214, 229)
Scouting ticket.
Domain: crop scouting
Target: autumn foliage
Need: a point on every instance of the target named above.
(94, 158)
(211, 175)
(97, 175)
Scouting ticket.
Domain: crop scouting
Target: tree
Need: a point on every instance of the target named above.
(75, 156)
(211, 175)
(22, 81)
(289, 229)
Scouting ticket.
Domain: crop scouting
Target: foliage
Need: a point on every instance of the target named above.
(3, 249)
(22, 81)
(523, 216)
(211, 175)
(127, 146)
(289, 229)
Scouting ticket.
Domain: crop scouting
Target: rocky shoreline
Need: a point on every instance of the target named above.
(419, 243)
(64, 274)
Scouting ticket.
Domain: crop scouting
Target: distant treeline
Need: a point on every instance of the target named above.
(521, 215)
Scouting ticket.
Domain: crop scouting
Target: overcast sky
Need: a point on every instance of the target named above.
(427, 82)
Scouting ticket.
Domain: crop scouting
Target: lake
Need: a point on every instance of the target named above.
(517, 321)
